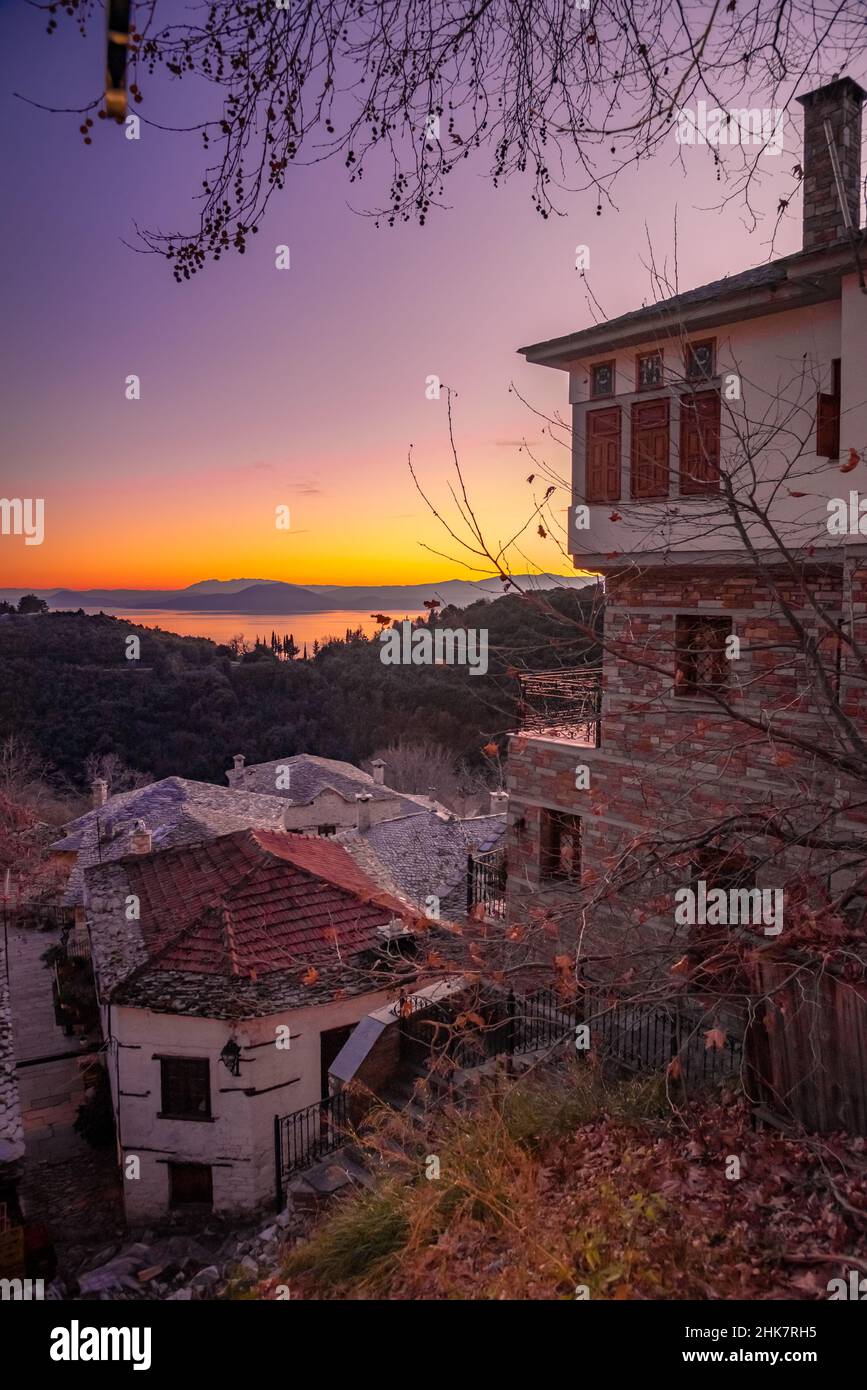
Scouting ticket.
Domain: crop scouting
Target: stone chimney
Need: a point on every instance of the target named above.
(838, 104)
(499, 803)
(140, 842)
(99, 792)
(233, 776)
(378, 771)
(362, 803)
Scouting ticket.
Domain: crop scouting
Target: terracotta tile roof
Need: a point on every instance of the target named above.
(255, 902)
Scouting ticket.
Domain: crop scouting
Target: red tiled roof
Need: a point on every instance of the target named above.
(254, 902)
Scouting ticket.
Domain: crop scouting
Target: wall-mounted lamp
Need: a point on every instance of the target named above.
(231, 1057)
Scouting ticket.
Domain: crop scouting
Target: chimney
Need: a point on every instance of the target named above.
(140, 843)
(99, 792)
(362, 802)
(499, 803)
(233, 776)
(378, 771)
(839, 106)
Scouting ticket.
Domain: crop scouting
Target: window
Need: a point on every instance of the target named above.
(650, 440)
(723, 868)
(648, 370)
(326, 830)
(699, 443)
(602, 455)
(191, 1184)
(701, 654)
(561, 846)
(186, 1088)
(700, 360)
(828, 417)
(602, 379)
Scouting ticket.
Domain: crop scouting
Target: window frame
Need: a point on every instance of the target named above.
(689, 358)
(174, 1205)
(689, 688)
(604, 395)
(550, 848)
(644, 357)
(166, 1084)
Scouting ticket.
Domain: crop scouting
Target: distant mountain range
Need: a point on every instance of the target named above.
(273, 596)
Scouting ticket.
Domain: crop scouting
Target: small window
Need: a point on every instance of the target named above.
(700, 360)
(648, 370)
(561, 846)
(828, 417)
(602, 379)
(326, 830)
(186, 1088)
(701, 655)
(191, 1185)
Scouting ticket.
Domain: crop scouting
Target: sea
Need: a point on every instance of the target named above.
(304, 627)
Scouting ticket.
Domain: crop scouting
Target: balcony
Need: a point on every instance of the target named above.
(564, 703)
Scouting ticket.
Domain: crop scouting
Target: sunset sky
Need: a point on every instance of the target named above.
(303, 387)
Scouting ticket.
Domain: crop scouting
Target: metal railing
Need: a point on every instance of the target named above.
(486, 883)
(564, 703)
(305, 1136)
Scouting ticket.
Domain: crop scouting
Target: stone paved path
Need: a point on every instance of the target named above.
(72, 1188)
(50, 1092)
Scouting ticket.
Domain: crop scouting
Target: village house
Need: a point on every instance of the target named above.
(230, 975)
(662, 463)
(322, 794)
(711, 433)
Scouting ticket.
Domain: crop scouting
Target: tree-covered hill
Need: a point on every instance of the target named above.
(187, 705)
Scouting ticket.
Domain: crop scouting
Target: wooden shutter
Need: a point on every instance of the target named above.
(650, 439)
(699, 442)
(602, 454)
(828, 417)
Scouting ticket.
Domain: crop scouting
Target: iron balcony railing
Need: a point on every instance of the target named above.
(305, 1136)
(564, 703)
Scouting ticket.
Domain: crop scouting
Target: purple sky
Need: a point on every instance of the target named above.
(305, 387)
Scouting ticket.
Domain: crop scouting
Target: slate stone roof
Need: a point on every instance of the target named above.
(425, 853)
(309, 775)
(230, 927)
(771, 276)
(175, 810)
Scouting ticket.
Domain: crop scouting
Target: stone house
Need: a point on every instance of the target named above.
(322, 795)
(230, 974)
(743, 397)
(173, 811)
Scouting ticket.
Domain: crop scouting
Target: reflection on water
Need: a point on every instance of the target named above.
(304, 627)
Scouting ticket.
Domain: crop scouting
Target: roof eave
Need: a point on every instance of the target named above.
(810, 280)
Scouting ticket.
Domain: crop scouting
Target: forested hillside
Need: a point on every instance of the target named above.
(68, 690)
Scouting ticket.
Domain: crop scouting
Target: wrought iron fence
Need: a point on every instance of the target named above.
(486, 882)
(40, 915)
(638, 1036)
(565, 703)
(305, 1136)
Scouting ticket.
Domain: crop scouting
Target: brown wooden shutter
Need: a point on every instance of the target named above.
(828, 417)
(602, 454)
(650, 440)
(699, 442)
